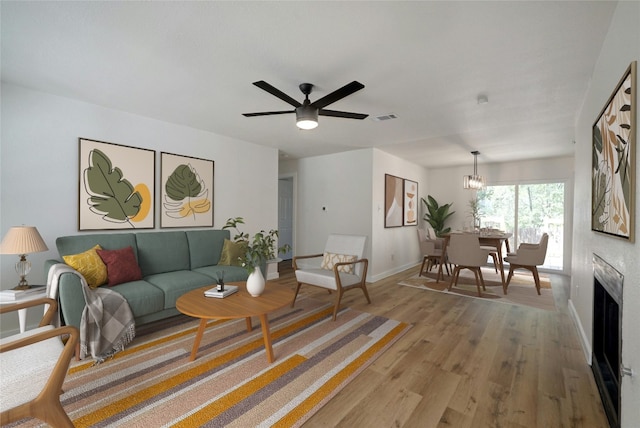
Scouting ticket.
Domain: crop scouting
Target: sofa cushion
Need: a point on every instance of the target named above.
(90, 265)
(108, 241)
(175, 284)
(122, 265)
(205, 246)
(143, 297)
(160, 252)
(231, 252)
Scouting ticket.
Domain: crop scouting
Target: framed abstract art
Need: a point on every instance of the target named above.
(116, 186)
(393, 201)
(186, 195)
(613, 161)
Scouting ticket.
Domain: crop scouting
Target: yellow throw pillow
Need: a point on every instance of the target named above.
(231, 251)
(330, 259)
(90, 265)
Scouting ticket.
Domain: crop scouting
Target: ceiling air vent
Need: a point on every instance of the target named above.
(384, 117)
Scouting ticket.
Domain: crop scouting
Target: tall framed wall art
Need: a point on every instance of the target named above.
(613, 161)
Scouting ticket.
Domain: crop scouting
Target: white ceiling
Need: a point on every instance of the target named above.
(193, 63)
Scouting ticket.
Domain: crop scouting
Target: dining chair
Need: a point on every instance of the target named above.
(340, 268)
(33, 366)
(528, 256)
(431, 250)
(465, 253)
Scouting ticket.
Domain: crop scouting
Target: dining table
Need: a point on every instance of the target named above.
(494, 239)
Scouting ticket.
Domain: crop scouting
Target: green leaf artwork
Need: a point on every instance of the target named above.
(112, 196)
(186, 194)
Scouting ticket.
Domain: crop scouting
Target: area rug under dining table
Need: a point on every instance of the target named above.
(521, 290)
(153, 384)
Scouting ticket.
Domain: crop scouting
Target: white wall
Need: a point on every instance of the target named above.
(351, 186)
(396, 248)
(621, 46)
(341, 183)
(39, 169)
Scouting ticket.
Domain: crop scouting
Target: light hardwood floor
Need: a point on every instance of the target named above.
(466, 363)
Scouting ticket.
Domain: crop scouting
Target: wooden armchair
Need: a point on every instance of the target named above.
(33, 366)
(528, 256)
(340, 268)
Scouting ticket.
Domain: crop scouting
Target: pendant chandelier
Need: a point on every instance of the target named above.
(475, 181)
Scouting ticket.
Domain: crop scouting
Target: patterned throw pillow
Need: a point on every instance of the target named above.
(122, 265)
(330, 259)
(90, 265)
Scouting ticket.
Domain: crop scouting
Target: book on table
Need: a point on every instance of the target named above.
(228, 290)
(15, 295)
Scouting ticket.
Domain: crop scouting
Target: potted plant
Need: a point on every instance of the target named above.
(474, 211)
(258, 250)
(437, 215)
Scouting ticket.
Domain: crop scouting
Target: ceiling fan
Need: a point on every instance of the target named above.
(307, 112)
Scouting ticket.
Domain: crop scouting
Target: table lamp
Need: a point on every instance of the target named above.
(22, 240)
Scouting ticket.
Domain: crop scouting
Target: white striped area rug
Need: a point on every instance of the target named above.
(153, 384)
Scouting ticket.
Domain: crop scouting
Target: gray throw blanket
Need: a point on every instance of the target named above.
(107, 323)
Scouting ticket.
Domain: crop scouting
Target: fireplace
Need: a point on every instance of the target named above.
(607, 336)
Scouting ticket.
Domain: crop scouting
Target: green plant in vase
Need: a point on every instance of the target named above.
(437, 215)
(259, 249)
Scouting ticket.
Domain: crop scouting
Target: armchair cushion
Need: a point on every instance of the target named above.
(329, 259)
(326, 278)
(25, 371)
(90, 265)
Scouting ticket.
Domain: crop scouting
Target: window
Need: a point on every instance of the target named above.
(527, 211)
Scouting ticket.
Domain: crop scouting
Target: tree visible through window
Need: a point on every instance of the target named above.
(527, 211)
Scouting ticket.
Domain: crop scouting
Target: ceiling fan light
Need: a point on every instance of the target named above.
(306, 117)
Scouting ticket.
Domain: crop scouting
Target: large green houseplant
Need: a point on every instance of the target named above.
(436, 215)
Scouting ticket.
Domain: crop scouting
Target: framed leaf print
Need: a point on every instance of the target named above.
(187, 191)
(393, 213)
(613, 161)
(116, 186)
(410, 195)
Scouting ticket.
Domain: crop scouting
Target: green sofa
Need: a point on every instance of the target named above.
(172, 263)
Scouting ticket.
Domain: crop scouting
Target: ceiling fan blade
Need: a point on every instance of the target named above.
(343, 114)
(267, 113)
(277, 93)
(338, 94)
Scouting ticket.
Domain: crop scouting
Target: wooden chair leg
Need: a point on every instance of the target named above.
(295, 296)
(477, 274)
(454, 277)
(536, 278)
(366, 293)
(425, 259)
(337, 305)
(506, 285)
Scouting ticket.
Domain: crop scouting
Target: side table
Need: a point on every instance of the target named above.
(22, 313)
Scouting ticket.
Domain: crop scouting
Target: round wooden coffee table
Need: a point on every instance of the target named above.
(238, 305)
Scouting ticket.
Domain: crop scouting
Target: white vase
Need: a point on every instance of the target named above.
(255, 282)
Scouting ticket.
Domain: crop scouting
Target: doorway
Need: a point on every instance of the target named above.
(286, 201)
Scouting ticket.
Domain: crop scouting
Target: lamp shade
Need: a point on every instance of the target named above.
(306, 117)
(22, 240)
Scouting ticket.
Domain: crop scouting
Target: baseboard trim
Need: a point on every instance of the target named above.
(584, 340)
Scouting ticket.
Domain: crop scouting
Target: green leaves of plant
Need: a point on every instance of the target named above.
(112, 196)
(437, 215)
